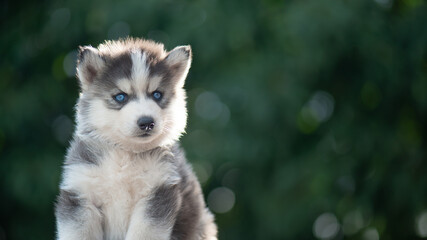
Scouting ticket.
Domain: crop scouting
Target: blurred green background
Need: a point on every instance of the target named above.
(307, 118)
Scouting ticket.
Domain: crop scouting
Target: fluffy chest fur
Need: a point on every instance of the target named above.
(118, 182)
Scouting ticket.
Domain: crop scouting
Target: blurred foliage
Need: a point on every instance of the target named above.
(311, 113)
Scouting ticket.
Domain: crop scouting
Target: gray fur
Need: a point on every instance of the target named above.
(167, 96)
(90, 71)
(117, 67)
(186, 225)
(169, 75)
(164, 204)
(67, 205)
(182, 203)
(81, 152)
(83, 106)
(111, 104)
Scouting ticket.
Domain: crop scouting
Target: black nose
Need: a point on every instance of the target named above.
(146, 123)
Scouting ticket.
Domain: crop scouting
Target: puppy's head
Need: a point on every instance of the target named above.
(132, 93)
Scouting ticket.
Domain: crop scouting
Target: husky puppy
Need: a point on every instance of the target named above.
(125, 176)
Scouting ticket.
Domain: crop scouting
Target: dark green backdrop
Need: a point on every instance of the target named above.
(306, 117)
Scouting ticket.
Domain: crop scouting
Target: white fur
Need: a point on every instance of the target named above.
(154, 83)
(119, 186)
(124, 85)
(92, 231)
(139, 226)
(140, 71)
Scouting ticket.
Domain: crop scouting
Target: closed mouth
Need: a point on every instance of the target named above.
(144, 135)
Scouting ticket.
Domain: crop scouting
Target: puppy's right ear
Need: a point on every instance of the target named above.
(89, 65)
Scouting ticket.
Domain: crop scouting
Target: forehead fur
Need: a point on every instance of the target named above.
(154, 51)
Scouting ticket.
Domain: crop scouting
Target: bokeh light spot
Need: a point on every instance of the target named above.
(421, 225)
(326, 226)
(221, 200)
(371, 234)
(203, 171)
(317, 110)
(224, 117)
(321, 105)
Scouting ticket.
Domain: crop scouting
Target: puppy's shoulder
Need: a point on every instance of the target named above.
(83, 151)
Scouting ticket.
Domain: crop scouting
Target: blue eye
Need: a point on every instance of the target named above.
(157, 95)
(120, 98)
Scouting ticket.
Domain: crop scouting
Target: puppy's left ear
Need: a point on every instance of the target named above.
(178, 62)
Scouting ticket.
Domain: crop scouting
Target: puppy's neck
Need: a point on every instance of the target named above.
(91, 137)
